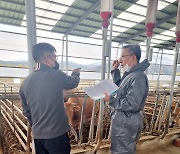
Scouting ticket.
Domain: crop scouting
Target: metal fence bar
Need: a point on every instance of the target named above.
(91, 131)
(82, 120)
(12, 128)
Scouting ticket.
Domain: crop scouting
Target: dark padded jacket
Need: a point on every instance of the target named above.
(42, 99)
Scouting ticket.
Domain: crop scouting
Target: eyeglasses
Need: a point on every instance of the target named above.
(122, 56)
(54, 56)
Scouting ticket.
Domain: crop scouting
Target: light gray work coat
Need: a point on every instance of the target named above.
(127, 122)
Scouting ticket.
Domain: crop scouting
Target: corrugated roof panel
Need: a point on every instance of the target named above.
(13, 12)
(63, 24)
(21, 1)
(2, 4)
(156, 30)
(75, 12)
(77, 33)
(132, 31)
(166, 11)
(170, 44)
(20, 8)
(4, 13)
(173, 20)
(140, 38)
(79, 27)
(80, 31)
(94, 16)
(82, 4)
(166, 26)
(15, 15)
(10, 6)
(171, 7)
(88, 23)
(78, 8)
(1, 13)
(15, 22)
(132, 42)
(21, 16)
(161, 15)
(124, 35)
(9, 20)
(69, 17)
(59, 30)
(120, 6)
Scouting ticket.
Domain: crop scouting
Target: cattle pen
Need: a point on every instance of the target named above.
(87, 137)
(89, 34)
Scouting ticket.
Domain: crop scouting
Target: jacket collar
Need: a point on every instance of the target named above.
(43, 67)
(139, 67)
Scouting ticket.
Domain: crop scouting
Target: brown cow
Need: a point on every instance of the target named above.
(73, 113)
(73, 110)
(175, 113)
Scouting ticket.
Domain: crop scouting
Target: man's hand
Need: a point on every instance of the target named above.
(77, 70)
(115, 64)
(107, 97)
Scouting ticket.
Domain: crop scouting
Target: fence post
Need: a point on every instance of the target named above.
(1, 134)
(28, 139)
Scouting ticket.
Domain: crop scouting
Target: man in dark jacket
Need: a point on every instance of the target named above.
(42, 99)
(127, 122)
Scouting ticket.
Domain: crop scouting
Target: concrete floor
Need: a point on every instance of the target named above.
(153, 145)
(159, 146)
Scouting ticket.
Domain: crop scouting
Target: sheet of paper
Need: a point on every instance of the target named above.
(97, 91)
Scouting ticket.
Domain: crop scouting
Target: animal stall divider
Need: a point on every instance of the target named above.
(13, 115)
(82, 119)
(18, 123)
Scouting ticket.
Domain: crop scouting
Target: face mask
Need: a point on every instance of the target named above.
(126, 68)
(56, 67)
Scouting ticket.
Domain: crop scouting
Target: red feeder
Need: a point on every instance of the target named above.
(106, 12)
(151, 16)
(149, 29)
(105, 17)
(178, 25)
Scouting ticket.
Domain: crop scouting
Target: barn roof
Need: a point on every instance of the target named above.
(82, 18)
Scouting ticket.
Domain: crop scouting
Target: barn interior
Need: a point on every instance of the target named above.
(76, 28)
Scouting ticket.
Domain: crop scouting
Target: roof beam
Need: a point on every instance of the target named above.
(90, 10)
(95, 28)
(65, 5)
(167, 44)
(144, 30)
(14, 2)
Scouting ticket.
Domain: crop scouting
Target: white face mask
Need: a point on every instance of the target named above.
(126, 68)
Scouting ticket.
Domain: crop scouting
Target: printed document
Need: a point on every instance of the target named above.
(97, 91)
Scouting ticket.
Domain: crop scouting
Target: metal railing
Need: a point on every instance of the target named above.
(154, 117)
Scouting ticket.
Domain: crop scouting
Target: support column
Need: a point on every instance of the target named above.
(150, 24)
(31, 30)
(109, 48)
(31, 35)
(170, 99)
(62, 55)
(67, 54)
(1, 133)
